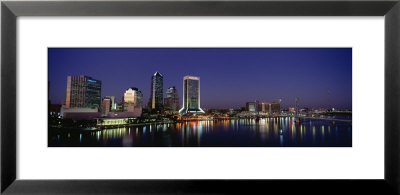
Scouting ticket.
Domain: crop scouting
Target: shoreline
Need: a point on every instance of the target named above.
(98, 128)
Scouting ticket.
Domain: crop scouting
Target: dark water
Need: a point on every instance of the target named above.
(225, 133)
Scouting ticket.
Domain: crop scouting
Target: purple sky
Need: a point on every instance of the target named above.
(229, 76)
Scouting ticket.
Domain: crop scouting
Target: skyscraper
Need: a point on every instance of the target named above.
(171, 101)
(132, 98)
(191, 95)
(113, 104)
(83, 92)
(156, 92)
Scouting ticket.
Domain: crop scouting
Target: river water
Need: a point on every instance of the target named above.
(267, 132)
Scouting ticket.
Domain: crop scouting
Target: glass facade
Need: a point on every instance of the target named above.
(93, 93)
(113, 104)
(83, 92)
(191, 95)
(171, 101)
(156, 92)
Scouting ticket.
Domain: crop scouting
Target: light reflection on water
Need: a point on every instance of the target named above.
(236, 133)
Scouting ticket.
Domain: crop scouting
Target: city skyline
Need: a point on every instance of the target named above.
(319, 77)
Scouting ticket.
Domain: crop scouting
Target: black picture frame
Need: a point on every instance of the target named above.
(10, 10)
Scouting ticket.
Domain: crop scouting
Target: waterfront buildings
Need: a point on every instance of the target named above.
(275, 107)
(132, 99)
(251, 106)
(102, 122)
(82, 98)
(83, 92)
(113, 103)
(191, 95)
(106, 105)
(263, 107)
(135, 113)
(130, 106)
(120, 107)
(80, 113)
(171, 101)
(156, 92)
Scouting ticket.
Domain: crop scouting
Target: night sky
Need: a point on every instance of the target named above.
(229, 77)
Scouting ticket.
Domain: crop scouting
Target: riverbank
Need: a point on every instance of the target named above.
(110, 126)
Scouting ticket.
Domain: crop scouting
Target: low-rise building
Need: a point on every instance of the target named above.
(263, 107)
(80, 113)
(112, 121)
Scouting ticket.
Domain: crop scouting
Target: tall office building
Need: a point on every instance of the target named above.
(191, 95)
(156, 92)
(106, 105)
(132, 98)
(171, 101)
(83, 92)
(113, 103)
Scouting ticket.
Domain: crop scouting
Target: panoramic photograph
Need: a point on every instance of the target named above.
(199, 97)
